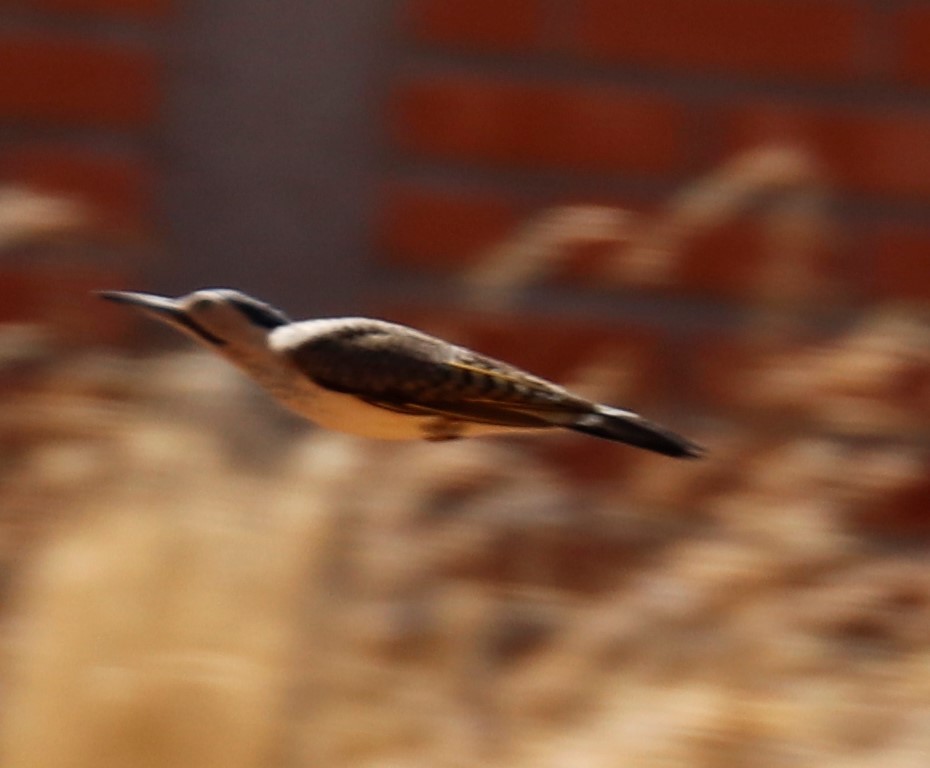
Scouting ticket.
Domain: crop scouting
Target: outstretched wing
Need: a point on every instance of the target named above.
(398, 368)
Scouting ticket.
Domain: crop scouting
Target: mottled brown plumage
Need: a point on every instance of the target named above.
(402, 369)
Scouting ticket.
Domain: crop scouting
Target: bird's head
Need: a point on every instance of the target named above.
(217, 317)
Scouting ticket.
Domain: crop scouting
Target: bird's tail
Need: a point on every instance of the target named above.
(627, 427)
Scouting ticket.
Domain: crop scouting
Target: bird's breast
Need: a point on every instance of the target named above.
(346, 413)
(329, 409)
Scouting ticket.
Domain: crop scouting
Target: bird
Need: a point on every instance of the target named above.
(379, 379)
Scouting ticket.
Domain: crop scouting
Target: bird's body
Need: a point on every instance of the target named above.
(383, 380)
(277, 370)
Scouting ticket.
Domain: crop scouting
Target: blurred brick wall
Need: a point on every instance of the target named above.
(504, 107)
(514, 103)
(80, 98)
(495, 110)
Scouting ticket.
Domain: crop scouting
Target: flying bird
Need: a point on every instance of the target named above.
(383, 380)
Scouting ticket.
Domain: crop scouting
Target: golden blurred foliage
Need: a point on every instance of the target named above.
(192, 582)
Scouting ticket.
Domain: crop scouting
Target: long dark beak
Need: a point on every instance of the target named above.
(162, 308)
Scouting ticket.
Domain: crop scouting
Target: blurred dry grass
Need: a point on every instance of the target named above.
(190, 580)
(645, 251)
(175, 598)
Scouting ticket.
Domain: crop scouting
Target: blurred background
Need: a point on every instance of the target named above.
(712, 211)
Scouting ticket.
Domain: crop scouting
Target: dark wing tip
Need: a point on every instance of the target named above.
(625, 427)
(686, 449)
(667, 443)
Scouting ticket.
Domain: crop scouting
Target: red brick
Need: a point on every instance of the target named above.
(61, 298)
(432, 229)
(911, 52)
(71, 81)
(138, 9)
(802, 38)
(530, 125)
(589, 254)
(881, 153)
(586, 262)
(734, 261)
(901, 264)
(479, 24)
(718, 369)
(18, 294)
(118, 187)
(902, 510)
(725, 262)
(742, 260)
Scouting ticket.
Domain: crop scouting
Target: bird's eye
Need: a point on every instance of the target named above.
(202, 304)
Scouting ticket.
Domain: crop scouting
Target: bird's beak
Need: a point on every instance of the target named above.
(162, 308)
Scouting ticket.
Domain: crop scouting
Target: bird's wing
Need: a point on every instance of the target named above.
(401, 369)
